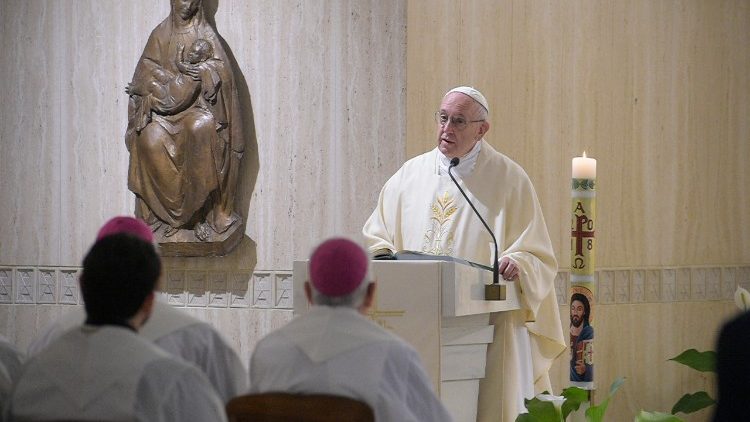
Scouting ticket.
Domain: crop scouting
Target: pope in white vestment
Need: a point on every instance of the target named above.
(420, 209)
(335, 349)
(110, 373)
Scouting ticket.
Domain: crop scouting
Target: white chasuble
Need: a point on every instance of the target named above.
(179, 334)
(420, 209)
(110, 373)
(336, 350)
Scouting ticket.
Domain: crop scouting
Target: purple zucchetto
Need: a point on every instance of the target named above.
(127, 225)
(337, 267)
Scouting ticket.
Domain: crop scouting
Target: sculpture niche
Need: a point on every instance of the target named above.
(185, 136)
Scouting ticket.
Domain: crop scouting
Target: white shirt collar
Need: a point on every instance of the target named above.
(465, 166)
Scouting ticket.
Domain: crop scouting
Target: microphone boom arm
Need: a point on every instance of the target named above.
(495, 265)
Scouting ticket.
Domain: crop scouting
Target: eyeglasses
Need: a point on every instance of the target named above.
(459, 123)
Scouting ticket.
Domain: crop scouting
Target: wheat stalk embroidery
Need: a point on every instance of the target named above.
(439, 234)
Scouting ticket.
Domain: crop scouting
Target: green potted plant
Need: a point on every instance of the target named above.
(549, 408)
(700, 361)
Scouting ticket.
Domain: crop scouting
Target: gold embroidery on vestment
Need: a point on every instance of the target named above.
(438, 240)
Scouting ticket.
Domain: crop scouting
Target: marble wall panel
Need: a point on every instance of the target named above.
(102, 42)
(6, 285)
(324, 89)
(241, 293)
(47, 285)
(332, 130)
(30, 196)
(653, 285)
(638, 292)
(69, 291)
(218, 290)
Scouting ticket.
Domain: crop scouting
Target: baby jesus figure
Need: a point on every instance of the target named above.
(167, 93)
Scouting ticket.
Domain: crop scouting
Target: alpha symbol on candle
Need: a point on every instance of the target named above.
(579, 233)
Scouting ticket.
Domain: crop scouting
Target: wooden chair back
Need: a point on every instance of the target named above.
(288, 407)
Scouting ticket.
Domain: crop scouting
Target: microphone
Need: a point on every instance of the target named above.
(495, 265)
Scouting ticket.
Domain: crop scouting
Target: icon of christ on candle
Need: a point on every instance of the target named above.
(581, 337)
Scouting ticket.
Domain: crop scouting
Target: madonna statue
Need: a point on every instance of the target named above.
(185, 136)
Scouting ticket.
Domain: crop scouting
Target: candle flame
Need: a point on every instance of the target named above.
(584, 153)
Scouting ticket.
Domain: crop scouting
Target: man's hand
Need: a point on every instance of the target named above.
(508, 268)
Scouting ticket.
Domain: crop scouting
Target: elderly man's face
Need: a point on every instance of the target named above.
(453, 142)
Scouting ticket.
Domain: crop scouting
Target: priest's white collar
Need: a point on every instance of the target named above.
(465, 166)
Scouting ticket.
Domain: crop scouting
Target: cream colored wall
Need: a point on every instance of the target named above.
(659, 93)
(326, 83)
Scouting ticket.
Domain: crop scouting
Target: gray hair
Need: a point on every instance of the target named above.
(482, 113)
(351, 300)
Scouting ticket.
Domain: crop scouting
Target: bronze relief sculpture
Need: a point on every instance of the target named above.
(185, 136)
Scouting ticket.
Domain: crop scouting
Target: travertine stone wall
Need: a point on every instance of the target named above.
(326, 82)
(326, 85)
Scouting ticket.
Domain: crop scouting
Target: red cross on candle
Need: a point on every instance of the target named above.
(579, 233)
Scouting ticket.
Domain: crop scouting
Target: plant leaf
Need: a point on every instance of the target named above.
(525, 417)
(656, 417)
(596, 413)
(690, 403)
(542, 410)
(701, 361)
(615, 386)
(574, 396)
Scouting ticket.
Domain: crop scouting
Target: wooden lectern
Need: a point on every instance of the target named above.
(439, 308)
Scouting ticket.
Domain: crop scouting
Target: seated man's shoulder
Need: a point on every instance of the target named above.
(179, 389)
(169, 373)
(118, 344)
(272, 342)
(170, 367)
(195, 342)
(199, 328)
(166, 320)
(399, 347)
